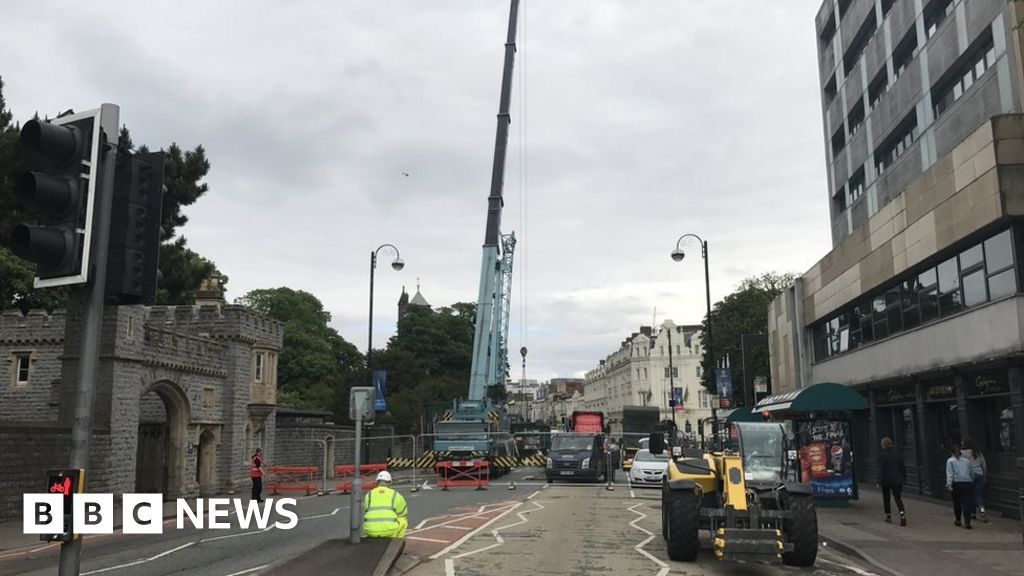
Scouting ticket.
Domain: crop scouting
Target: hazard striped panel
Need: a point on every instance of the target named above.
(535, 461)
(446, 416)
(494, 416)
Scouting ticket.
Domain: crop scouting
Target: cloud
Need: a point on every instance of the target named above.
(632, 124)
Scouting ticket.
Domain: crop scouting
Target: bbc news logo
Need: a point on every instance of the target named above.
(143, 513)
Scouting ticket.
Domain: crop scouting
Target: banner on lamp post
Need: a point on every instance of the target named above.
(677, 398)
(723, 379)
(380, 384)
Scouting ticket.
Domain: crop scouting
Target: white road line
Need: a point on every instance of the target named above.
(420, 525)
(249, 570)
(463, 540)
(246, 533)
(449, 567)
(422, 539)
(454, 518)
(631, 493)
(138, 562)
(522, 520)
(650, 536)
(482, 508)
(849, 567)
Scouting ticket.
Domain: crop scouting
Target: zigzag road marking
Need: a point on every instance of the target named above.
(650, 536)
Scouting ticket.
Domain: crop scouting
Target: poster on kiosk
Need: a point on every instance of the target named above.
(826, 462)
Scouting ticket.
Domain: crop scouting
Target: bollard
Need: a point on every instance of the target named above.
(610, 474)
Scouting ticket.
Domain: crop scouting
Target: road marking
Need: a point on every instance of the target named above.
(463, 540)
(481, 510)
(420, 525)
(332, 513)
(22, 552)
(449, 567)
(249, 570)
(428, 539)
(246, 533)
(650, 536)
(631, 493)
(522, 520)
(138, 562)
(454, 518)
(849, 567)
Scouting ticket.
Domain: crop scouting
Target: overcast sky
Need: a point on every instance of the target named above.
(641, 121)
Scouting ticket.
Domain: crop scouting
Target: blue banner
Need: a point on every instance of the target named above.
(380, 386)
(723, 379)
(677, 395)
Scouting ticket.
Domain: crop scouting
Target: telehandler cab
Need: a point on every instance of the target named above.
(743, 495)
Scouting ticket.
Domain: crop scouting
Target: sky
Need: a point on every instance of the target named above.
(335, 126)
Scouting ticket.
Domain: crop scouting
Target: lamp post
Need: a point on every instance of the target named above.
(357, 484)
(677, 255)
(397, 264)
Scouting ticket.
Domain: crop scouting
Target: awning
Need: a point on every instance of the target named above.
(823, 397)
(741, 414)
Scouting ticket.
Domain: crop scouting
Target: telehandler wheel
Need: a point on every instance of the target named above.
(683, 524)
(664, 512)
(801, 530)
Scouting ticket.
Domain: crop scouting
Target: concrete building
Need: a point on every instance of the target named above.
(918, 303)
(637, 374)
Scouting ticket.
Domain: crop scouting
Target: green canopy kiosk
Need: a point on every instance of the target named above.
(820, 416)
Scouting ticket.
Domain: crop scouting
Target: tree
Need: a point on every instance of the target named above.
(316, 366)
(428, 360)
(182, 270)
(745, 311)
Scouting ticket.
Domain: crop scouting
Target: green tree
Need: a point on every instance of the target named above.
(428, 360)
(182, 270)
(745, 311)
(316, 366)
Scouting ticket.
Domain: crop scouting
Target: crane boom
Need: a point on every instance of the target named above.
(495, 270)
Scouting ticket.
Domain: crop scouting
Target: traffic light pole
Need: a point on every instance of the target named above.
(92, 318)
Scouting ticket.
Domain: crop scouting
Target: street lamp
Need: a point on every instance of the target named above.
(678, 254)
(397, 265)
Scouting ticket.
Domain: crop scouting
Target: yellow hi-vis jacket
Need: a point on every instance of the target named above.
(385, 513)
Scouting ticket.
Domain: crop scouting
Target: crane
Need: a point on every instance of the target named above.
(474, 426)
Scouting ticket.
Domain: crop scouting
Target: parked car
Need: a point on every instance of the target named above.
(648, 469)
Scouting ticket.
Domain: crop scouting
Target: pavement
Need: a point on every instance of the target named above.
(930, 545)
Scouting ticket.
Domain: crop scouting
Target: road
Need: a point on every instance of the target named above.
(535, 530)
(240, 552)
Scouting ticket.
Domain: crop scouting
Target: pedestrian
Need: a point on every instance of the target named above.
(960, 483)
(385, 514)
(892, 475)
(256, 473)
(979, 471)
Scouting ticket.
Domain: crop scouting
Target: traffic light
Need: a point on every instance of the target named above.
(64, 157)
(135, 228)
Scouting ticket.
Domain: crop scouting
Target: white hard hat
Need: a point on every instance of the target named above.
(384, 476)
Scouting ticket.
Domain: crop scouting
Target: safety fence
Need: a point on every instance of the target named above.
(345, 475)
(464, 473)
(293, 479)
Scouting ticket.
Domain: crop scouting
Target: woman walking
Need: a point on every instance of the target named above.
(892, 475)
(256, 473)
(960, 482)
(979, 471)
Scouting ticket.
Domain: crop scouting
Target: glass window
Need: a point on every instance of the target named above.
(990, 57)
(970, 258)
(979, 68)
(927, 278)
(968, 80)
(911, 314)
(974, 288)
(1002, 284)
(892, 308)
(948, 280)
(259, 367)
(929, 304)
(998, 252)
(22, 369)
(1006, 430)
(867, 334)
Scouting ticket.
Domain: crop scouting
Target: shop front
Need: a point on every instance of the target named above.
(923, 414)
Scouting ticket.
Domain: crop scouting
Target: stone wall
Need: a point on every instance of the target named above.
(40, 335)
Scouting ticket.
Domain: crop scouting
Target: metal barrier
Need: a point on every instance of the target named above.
(392, 463)
(346, 474)
(457, 473)
(294, 478)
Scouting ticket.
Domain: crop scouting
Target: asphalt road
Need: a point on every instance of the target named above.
(236, 551)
